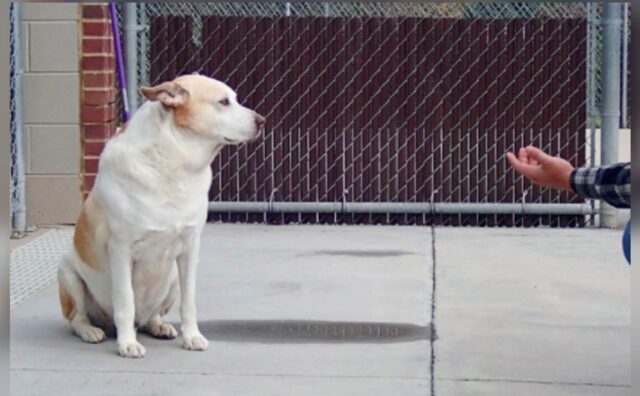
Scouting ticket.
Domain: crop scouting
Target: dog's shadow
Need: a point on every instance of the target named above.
(311, 332)
(306, 332)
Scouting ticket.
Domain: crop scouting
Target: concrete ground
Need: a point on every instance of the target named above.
(335, 310)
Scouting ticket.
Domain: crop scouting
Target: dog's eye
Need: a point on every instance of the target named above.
(225, 102)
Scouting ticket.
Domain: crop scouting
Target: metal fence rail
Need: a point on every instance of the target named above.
(388, 103)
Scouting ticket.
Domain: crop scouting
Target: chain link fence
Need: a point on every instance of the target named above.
(389, 102)
(195, 12)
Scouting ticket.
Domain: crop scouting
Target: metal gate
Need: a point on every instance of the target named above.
(389, 112)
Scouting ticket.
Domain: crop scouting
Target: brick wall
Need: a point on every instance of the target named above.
(98, 87)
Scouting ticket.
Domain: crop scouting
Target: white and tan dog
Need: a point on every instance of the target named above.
(137, 239)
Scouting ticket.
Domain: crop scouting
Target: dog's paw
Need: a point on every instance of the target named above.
(196, 343)
(131, 350)
(92, 335)
(163, 331)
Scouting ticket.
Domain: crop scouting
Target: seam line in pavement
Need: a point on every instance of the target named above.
(538, 382)
(203, 373)
(432, 338)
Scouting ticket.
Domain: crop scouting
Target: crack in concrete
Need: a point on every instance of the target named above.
(432, 339)
(538, 382)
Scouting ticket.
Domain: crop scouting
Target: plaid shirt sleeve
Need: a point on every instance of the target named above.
(608, 183)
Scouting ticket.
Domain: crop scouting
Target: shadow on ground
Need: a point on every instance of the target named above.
(302, 331)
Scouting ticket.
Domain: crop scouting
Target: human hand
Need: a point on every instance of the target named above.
(542, 169)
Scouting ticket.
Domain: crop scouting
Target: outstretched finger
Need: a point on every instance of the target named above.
(538, 155)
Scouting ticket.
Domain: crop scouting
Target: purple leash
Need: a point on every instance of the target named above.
(122, 79)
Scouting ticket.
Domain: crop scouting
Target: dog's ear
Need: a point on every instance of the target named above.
(169, 93)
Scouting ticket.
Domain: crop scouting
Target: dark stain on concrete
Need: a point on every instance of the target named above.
(312, 332)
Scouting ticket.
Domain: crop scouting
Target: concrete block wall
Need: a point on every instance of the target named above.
(51, 112)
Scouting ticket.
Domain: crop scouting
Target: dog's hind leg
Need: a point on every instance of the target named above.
(155, 327)
(73, 297)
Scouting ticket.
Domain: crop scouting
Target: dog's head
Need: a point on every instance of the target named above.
(207, 107)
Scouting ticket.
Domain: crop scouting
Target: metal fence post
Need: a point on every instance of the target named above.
(610, 113)
(131, 53)
(20, 212)
(625, 55)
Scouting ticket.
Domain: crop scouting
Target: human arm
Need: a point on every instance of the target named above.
(608, 183)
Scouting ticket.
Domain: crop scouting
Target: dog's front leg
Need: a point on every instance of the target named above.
(123, 301)
(187, 266)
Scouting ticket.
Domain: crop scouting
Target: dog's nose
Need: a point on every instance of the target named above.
(260, 121)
